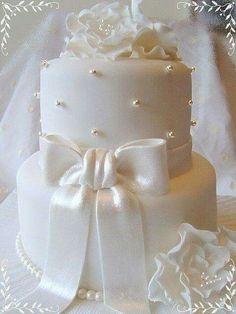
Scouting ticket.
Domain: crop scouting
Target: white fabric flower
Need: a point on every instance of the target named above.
(193, 267)
(114, 30)
(104, 30)
(156, 43)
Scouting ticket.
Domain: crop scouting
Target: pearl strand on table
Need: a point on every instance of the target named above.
(83, 294)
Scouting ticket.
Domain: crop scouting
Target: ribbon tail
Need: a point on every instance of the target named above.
(69, 213)
(120, 235)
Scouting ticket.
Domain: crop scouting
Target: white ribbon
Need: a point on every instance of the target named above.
(108, 182)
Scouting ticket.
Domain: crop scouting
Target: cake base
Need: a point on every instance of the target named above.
(192, 199)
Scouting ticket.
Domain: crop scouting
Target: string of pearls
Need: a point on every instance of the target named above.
(83, 294)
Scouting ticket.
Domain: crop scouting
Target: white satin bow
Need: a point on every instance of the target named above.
(107, 182)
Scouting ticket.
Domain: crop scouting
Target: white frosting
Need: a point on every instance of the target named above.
(104, 101)
(114, 30)
(191, 199)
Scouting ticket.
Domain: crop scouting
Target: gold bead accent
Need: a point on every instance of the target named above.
(93, 72)
(136, 103)
(94, 132)
(44, 64)
(169, 68)
(190, 102)
(193, 69)
(193, 123)
(171, 135)
(60, 103)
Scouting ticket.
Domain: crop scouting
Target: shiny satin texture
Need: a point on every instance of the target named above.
(108, 182)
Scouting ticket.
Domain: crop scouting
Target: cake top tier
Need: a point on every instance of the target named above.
(116, 30)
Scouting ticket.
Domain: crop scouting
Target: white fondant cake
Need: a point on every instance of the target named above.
(87, 206)
(191, 199)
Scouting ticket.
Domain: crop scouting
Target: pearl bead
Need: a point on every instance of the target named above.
(193, 123)
(136, 103)
(93, 72)
(82, 293)
(42, 134)
(193, 69)
(99, 297)
(190, 102)
(169, 68)
(90, 295)
(44, 64)
(94, 132)
(37, 95)
(59, 103)
(171, 134)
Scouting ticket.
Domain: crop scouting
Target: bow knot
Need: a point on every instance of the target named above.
(98, 169)
(118, 177)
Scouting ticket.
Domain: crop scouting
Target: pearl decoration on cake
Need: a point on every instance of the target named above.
(136, 103)
(93, 72)
(171, 135)
(41, 134)
(94, 132)
(91, 295)
(25, 259)
(82, 294)
(99, 296)
(169, 68)
(193, 69)
(60, 103)
(193, 123)
(190, 102)
(44, 64)
(37, 95)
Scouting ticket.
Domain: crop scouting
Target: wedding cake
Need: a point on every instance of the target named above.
(115, 176)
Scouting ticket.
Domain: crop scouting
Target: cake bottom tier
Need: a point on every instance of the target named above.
(192, 199)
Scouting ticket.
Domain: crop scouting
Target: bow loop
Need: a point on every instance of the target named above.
(60, 160)
(99, 169)
(144, 162)
(116, 177)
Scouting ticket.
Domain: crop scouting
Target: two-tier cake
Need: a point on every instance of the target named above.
(115, 175)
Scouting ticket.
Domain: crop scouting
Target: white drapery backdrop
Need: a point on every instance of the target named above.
(214, 136)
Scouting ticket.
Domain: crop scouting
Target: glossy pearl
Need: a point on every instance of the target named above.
(193, 123)
(193, 69)
(42, 134)
(169, 68)
(91, 295)
(190, 102)
(94, 132)
(44, 64)
(99, 297)
(37, 95)
(171, 134)
(136, 103)
(82, 293)
(59, 103)
(93, 72)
